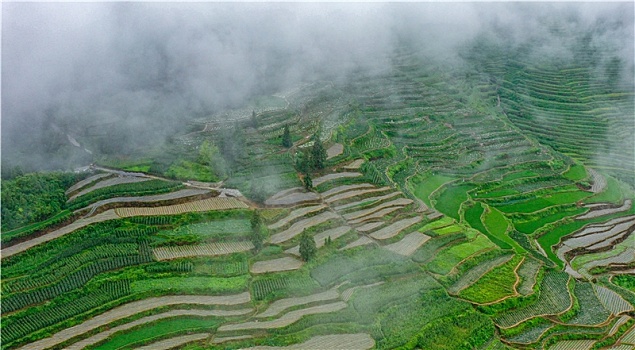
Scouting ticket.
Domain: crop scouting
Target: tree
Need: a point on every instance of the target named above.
(308, 183)
(286, 137)
(307, 246)
(209, 155)
(257, 231)
(318, 154)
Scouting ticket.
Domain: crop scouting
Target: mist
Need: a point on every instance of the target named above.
(117, 77)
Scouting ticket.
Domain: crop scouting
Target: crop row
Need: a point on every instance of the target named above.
(196, 206)
(128, 190)
(66, 266)
(553, 299)
(69, 283)
(266, 287)
(18, 327)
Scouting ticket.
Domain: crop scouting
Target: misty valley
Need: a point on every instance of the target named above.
(419, 176)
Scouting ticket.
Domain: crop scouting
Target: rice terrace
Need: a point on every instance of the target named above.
(394, 185)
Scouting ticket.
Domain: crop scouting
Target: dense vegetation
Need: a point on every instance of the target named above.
(33, 197)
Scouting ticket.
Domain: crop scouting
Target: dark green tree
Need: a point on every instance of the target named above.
(318, 154)
(307, 246)
(286, 137)
(308, 183)
(302, 161)
(257, 231)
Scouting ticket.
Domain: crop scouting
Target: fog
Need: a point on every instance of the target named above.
(132, 74)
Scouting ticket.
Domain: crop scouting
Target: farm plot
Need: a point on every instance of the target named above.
(280, 305)
(366, 202)
(286, 319)
(597, 240)
(591, 311)
(357, 215)
(497, 284)
(553, 299)
(301, 225)
(528, 272)
(599, 181)
(233, 229)
(294, 198)
(363, 240)
(354, 165)
(345, 188)
(175, 342)
(147, 199)
(531, 334)
(629, 337)
(109, 182)
(209, 204)
(621, 254)
(602, 212)
(133, 308)
(369, 226)
(276, 265)
(86, 182)
(319, 239)
(334, 151)
(573, 345)
(355, 193)
(395, 228)
(612, 301)
(275, 285)
(449, 257)
(148, 319)
(206, 249)
(475, 273)
(76, 225)
(296, 214)
(360, 341)
(375, 216)
(407, 245)
(329, 177)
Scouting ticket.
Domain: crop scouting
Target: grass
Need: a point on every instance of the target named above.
(449, 202)
(548, 200)
(531, 226)
(494, 285)
(185, 169)
(449, 229)
(191, 285)
(497, 226)
(147, 333)
(576, 172)
(473, 217)
(425, 187)
(448, 258)
(444, 221)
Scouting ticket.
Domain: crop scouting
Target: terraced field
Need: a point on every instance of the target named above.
(453, 211)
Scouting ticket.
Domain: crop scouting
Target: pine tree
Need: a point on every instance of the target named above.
(286, 137)
(318, 154)
(307, 246)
